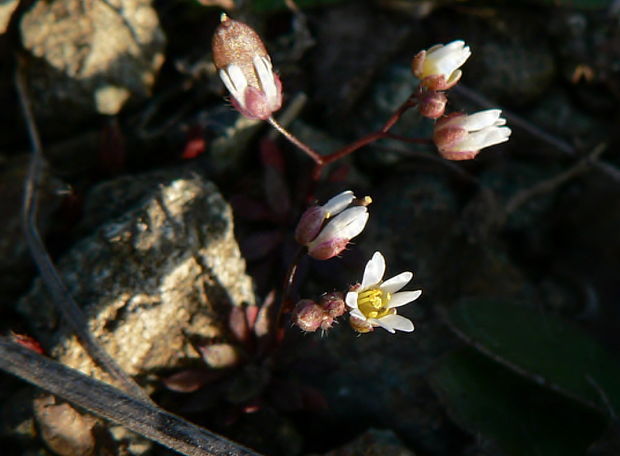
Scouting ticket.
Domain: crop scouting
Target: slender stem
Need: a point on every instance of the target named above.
(110, 403)
(61, 297)
(297, 142)
(383, 132)
(289, 280)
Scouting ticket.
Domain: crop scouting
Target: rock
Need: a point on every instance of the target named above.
(7, 8)
(167, 267)
(90, 57)
(65, 431)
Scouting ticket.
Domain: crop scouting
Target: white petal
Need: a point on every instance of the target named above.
(351, 299)
(358, 314)
(404, 297)
(373, 273)
(480, 120)
(485, 138)
(439, 51)
(235, 81)
(383, 323)
(396, 322)
(263, 68)
(338, 203)
(397, 282)
(345, 225)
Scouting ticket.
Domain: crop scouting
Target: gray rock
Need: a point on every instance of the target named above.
(90, 57)
(167, 267)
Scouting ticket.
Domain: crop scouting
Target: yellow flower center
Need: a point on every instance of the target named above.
(373, 303)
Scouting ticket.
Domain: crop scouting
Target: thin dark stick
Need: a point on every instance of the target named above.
(113, 404)
(549, 185)
(287, 286)
(61, 297)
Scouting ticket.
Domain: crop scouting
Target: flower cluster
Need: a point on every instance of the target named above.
(325, 230)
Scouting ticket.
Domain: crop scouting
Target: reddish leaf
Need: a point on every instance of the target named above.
(28, 342)
(263, 321)
(195, 145)
(189, 380)
(251, 312)
(238, 323)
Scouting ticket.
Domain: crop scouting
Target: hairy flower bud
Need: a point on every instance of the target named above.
(309, 316)
(460, 137)
(432, 104)
(245, 68)
(333, 303)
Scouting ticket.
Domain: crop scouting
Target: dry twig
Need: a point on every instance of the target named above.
(110, 403)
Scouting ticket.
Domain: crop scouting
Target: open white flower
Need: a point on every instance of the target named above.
(460, 137)
(438, 67)
(374, 302)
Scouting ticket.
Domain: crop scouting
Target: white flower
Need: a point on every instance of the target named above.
(438, 67)
(374, 302)
(461, 137)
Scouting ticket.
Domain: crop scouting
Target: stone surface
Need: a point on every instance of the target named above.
(167, 267)
(90, 57)
(7, 8)
(64, 430)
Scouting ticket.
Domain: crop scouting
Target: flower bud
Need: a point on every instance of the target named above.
(309, 316)
(461, 137)
(312, 219)
(326, 240)
(438, 67)
(359, 325)
(335, 236)
(245, 68)
(432, 104)
(333, 303)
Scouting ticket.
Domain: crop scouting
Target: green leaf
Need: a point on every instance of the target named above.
(522, 418)
(543, 347)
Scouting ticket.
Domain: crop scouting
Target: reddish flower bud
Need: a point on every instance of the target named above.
(432, 104)
(309, 316)
(460, 136)
(245, 68)
(333, 304)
